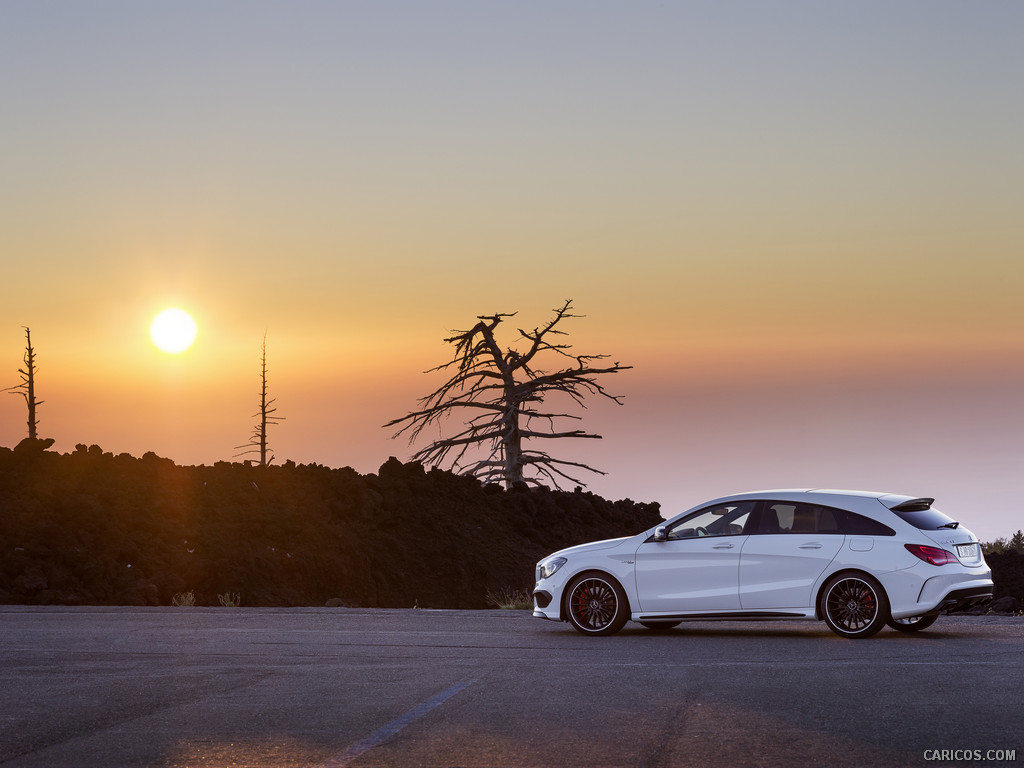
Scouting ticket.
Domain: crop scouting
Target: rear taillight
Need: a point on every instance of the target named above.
(932, 555)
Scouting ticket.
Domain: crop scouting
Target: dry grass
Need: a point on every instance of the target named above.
(508, 598)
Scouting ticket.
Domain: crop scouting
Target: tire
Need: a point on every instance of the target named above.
(660, 626)
(854, 605)
(913, 623)
(595, 604)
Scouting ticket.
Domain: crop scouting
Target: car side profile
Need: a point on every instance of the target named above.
(857, 560)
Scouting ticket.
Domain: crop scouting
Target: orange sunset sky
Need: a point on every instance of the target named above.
(800, 222)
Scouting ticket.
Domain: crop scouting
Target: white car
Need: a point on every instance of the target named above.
(857, 560)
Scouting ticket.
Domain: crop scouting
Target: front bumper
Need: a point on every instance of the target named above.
(544, 606)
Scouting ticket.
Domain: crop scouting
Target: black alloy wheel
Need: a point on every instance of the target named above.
(596, 605)
(854, 605)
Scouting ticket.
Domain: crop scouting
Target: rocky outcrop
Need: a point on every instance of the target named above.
(93, 528)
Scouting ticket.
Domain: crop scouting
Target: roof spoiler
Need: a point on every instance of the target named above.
(905, 504)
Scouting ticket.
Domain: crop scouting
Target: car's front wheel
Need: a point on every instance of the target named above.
(596, 604)
(854, 605)
(913, 623)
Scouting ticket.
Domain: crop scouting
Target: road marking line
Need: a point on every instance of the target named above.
(383, 734)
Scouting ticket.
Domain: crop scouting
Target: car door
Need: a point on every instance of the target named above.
(696, 566)
(790, 546)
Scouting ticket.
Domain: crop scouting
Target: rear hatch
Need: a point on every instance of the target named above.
(936, 526)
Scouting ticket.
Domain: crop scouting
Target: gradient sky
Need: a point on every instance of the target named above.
(801, 222)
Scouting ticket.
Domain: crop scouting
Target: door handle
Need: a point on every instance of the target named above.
(811, 545)
(722, 546)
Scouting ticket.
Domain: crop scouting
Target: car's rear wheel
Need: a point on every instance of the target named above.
(660, 626)
(913, 623)
(854, 605)
(596, 604)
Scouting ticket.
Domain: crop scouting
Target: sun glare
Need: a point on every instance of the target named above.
(173, 331)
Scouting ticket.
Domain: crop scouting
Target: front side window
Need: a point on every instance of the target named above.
(723, 520)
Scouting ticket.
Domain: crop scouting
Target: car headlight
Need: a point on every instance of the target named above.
(548, 567)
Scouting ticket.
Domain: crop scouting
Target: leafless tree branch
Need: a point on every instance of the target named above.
(503, 387)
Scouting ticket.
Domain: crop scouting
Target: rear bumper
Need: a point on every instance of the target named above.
(949, 587)
(927, 590)
(961, 599)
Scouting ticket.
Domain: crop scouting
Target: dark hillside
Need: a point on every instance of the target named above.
(93, 528)
(1008, 575)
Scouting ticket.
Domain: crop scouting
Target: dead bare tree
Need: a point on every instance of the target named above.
(27, 388)
(507, 389)
(258, 441)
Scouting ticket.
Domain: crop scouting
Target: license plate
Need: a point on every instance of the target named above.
(965, 551)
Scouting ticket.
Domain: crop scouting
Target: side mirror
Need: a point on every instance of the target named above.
(661, 533)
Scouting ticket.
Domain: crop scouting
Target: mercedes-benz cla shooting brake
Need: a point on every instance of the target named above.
(854, 559)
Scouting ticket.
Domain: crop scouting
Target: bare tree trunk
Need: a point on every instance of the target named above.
(258, 443)
(27, 388)
(263, 407)
(512, 444)
(30, 384)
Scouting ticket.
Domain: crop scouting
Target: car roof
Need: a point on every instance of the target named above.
(870, 503)
(890, 500)
(825, 491)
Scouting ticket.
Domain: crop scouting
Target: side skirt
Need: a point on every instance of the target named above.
(738, 616)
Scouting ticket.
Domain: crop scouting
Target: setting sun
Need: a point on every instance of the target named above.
(173, 331)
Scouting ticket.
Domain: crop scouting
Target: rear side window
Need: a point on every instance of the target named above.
(795, 517)
(925, 519)
(858, 525)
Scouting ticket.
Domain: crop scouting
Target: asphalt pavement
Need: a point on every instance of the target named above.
(326, 688)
